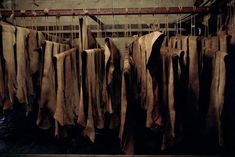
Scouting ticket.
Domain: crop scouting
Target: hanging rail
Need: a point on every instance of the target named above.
(108, 11)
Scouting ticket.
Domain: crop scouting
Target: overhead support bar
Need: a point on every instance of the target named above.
(108, 11)
(93, 17)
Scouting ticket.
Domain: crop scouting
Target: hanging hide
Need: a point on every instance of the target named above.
(8, 34)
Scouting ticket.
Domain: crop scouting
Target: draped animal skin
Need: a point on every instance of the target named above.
(70, 105)
(108, 106)
(47, 100)
(33, 60)
(212, 86)
(67, 87)
(56, 48)
(21, 59)
(206, 48)
(75, 73)
(205, 84)
(172, 42)
(54, 38)
(89, 84)
(2, 73)
(41, 38)
(86, 41)
(175, 42)
(178, 42)
(82, 46)
(215, 43)
(60, 101)
(38, 81)
(180, 83)
(185, 48)
(113, 80)
(126, 71)
(145, 54)
(67, 47)
(193, 85)
(2, 84)
(223, 41)
(231, 32)
(214, 116)
(90, 91)
(75, 43)
(81, 114)
(8, 34)
(99, 79)
(32, 50)
(128, 101)
(168, 96)
(208, 42)
(62, 48)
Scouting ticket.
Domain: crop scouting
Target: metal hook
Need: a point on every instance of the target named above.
(113, 23)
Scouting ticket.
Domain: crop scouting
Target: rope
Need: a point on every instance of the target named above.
(130, 30)
(46, 19)
(180, 8)
(177, 25)
(194, 19)
(62, 32)
(45, 27)
(24, 25)
(126, 29)
(100, 29)
(56, 26)
(59, 29)
(72, 30)
(180, 24)
(75, 30)
(97, 29)
(48, 28)
(33, 18)
(117, 7)
(193, 27)
(139, 24)
(113, 19)
(166, 28)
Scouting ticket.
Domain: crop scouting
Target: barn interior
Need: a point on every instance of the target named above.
(114, 77)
